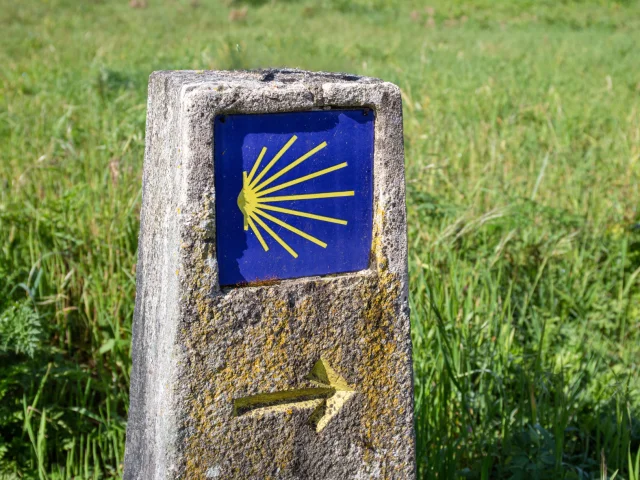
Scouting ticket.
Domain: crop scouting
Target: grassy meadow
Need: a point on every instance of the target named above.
(522, 133)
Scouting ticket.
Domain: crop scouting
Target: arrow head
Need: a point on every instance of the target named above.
(323, 375)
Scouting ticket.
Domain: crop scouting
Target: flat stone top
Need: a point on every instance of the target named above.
(276, 75)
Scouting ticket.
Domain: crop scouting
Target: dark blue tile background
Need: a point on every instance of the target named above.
(238, 142)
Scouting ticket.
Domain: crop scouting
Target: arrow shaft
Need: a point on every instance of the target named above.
(280, 399)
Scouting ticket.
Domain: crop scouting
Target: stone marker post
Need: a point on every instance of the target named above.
(271, 334)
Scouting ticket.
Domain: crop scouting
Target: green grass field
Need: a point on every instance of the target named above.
(522, 128)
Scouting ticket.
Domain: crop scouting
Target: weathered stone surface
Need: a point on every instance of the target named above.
(198, 348)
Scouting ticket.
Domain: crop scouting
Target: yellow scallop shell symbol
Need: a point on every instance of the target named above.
(253, 199)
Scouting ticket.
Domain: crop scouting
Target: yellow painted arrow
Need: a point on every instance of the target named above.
(327, 399)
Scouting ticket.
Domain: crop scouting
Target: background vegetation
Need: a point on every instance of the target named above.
(522, 123)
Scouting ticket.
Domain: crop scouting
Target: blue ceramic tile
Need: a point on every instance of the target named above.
(293, 194)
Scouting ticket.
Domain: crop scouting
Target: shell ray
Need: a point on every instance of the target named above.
(306, 196)
(298, 213)
(256, 164)
(293, 229)
(301, 179)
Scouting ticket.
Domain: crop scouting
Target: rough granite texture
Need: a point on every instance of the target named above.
(197, 347)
